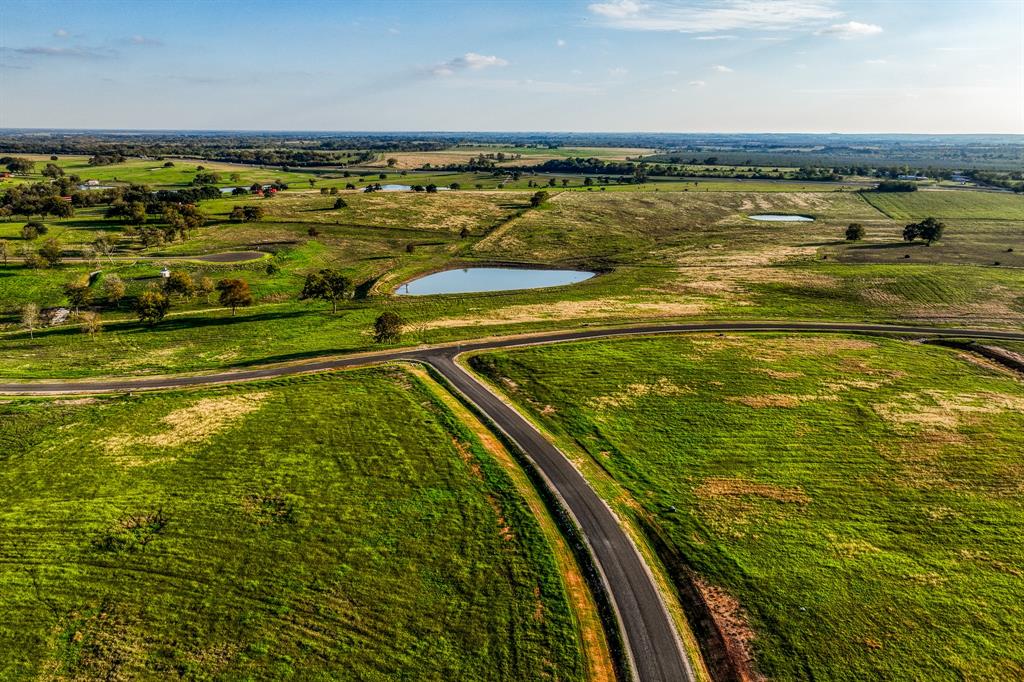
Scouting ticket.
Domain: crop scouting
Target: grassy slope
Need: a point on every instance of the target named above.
(674, 255)
(308, 534)
(861, 500)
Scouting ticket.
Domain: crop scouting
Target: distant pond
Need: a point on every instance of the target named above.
(779, 218)
(476, 280)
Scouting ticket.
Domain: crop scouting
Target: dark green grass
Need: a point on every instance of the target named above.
(336, 532)
(859, 547)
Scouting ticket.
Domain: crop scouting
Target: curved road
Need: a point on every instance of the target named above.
(653, 647)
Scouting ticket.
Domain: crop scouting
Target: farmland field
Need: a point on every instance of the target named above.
(339, 526)
(851, 506)
(949, 204)
(660, 255)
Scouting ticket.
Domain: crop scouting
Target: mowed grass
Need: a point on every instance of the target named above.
(949, 204)
(337, 527)
(852, 505)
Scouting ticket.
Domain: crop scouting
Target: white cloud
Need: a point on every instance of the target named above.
(875, 62)
(60, 33)
(618, 9)
(720, 68)
(470, 60)
(725, 37)
(559, 43)
(697, 84)
(143, 40)
(800, 66)
(705, 16)
(851, 29)
(394, 31)
(670, 72)
(618, 72)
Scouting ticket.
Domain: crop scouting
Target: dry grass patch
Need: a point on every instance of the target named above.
(935, 409)
(569, 310)
(777, 399)
(193, 424)
(634, 392)
(742, 487)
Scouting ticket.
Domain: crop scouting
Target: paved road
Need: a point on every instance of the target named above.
(652, 643)
(324, 364)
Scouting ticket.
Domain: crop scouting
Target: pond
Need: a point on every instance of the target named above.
(778, 218)
(475, 280)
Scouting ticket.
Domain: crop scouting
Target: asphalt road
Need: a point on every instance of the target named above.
(653, 646)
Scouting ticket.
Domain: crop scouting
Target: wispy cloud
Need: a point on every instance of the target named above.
(144, 40)
(713, 17)
(560, 43)
(618, 9)
(697, 84)
(722, 37)
(61, 33)
(469, 61)
(851, 29)
(875, 62)
(721, 68)
(75, 52)
(618, 72)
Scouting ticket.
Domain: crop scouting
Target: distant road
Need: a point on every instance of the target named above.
(653, 646)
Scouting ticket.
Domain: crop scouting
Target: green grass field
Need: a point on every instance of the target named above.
(341, 526)
(852, 506)
(662, 255)
(949, 204)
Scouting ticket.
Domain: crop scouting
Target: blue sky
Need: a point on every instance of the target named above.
(612, 65)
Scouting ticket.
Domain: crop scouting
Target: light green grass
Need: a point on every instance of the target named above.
(860, 499)
(949, 204)
(339, 527)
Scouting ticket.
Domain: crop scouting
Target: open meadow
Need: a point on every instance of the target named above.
(659, 255)
(849, 507)
(338, 526)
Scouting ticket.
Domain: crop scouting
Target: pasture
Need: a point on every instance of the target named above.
(660, 255)
(271, 530)
(851, 506)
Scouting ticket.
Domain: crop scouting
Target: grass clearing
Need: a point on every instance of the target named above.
(948, 204)
(302, 533)
(868, 530)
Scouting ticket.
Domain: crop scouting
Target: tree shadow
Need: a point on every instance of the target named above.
(887, 245)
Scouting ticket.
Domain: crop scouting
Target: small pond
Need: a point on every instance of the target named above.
(474, 280)
(778, 218)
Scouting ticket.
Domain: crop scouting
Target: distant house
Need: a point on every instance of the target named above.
(91, 183)
(912, 177)
(5, 174)
(165, 273)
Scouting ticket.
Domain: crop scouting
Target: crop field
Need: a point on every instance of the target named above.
(338, 526)
(851, 506)
(529, 155)
(949, 204)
